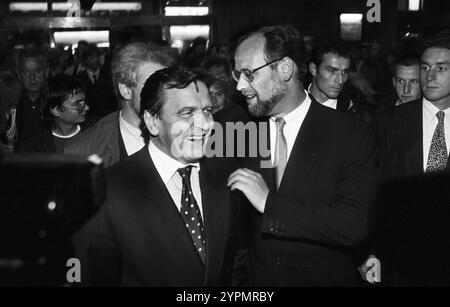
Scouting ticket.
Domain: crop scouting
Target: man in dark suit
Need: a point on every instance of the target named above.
(414, 137)
(407, 133)
(309, 211)
(167, 218)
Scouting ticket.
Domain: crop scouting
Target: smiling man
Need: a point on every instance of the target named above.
(309, 211)
(167, 219)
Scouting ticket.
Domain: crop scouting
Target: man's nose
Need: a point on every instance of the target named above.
(242, 83)
(407, 88)
(431, 74)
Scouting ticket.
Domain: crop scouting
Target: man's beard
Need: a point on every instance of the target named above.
(263, 107)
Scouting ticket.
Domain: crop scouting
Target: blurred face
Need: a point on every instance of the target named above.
(218, 71)
(218, 98)
(329, 77)
(266, 89)
(73, 110)
(32, 74)
(407, 82)
(143, 72)
(435, 75)
(184, 123)
(93, 62)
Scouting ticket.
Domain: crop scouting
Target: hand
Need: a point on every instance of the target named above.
(252, 185)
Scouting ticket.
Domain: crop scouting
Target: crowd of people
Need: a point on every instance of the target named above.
(335, 123)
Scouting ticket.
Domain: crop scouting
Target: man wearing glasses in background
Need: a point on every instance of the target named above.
(66, 109)
(309, 211)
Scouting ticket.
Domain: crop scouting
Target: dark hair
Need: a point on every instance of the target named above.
(174, 77)
(90, 50)
(440, 39)
(409, 59)
(282, 41)
(217, 61)
(31, 53)
(328, 46)
(60, 87)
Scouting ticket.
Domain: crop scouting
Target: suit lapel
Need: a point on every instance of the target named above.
(414, 134)
(305, 152)
(153, 200)
(215, 199)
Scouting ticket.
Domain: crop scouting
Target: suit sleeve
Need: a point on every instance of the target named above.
(344, 221)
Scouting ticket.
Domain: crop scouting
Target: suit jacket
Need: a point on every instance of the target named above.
(400, 137)
(311, 225)
(103, 139)
(138, 238)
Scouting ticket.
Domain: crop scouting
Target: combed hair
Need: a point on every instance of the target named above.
(329, 46)
(408, 59)
(128, 59)
(174, 77)
(282, 41)
(440, 39)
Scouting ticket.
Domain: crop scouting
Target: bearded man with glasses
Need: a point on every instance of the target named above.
(308, 213)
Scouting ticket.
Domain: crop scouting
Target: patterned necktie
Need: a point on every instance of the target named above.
(191, 213)
(280, 151)
(437, 157)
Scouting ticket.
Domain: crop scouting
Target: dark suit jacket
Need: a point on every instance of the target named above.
(103, 139)
(139, 238)
(400, 137)
(319, 214)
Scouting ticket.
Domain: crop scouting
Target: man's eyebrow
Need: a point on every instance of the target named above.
(336, 68)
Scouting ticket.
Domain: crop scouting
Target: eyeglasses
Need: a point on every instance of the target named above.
(80, 107)
(248, 74)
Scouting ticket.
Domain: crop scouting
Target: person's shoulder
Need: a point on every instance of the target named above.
(103, 128)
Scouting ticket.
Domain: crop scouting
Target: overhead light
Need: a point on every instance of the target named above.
(186, 10)
(65, 6)
(414, 5)
(117, 6)
(73, 37)
(188, 32)
(351, 18)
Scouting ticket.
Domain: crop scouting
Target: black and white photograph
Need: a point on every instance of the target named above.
(225, 151)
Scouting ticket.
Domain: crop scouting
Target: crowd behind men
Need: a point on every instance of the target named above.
(301, 222)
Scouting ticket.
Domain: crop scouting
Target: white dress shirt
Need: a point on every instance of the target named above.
(430, 122)
(330, 103)
(131, 136)
(294, 121)
(167, 168)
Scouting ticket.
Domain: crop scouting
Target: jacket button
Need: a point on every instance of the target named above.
(278, 260)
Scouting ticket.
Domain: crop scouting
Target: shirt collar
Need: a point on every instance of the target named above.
(295, 114)
(329, 102)
(136, 132)
(430, 111)
(165, 164)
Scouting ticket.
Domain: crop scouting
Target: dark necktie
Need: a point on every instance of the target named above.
(191, 213)
(280, 151)
(437, 157)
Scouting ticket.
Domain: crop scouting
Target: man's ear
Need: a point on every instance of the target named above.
(393, 81)
(151, 122)
(125, 91)
(286, 68)
(312, 69)
(56, 112)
